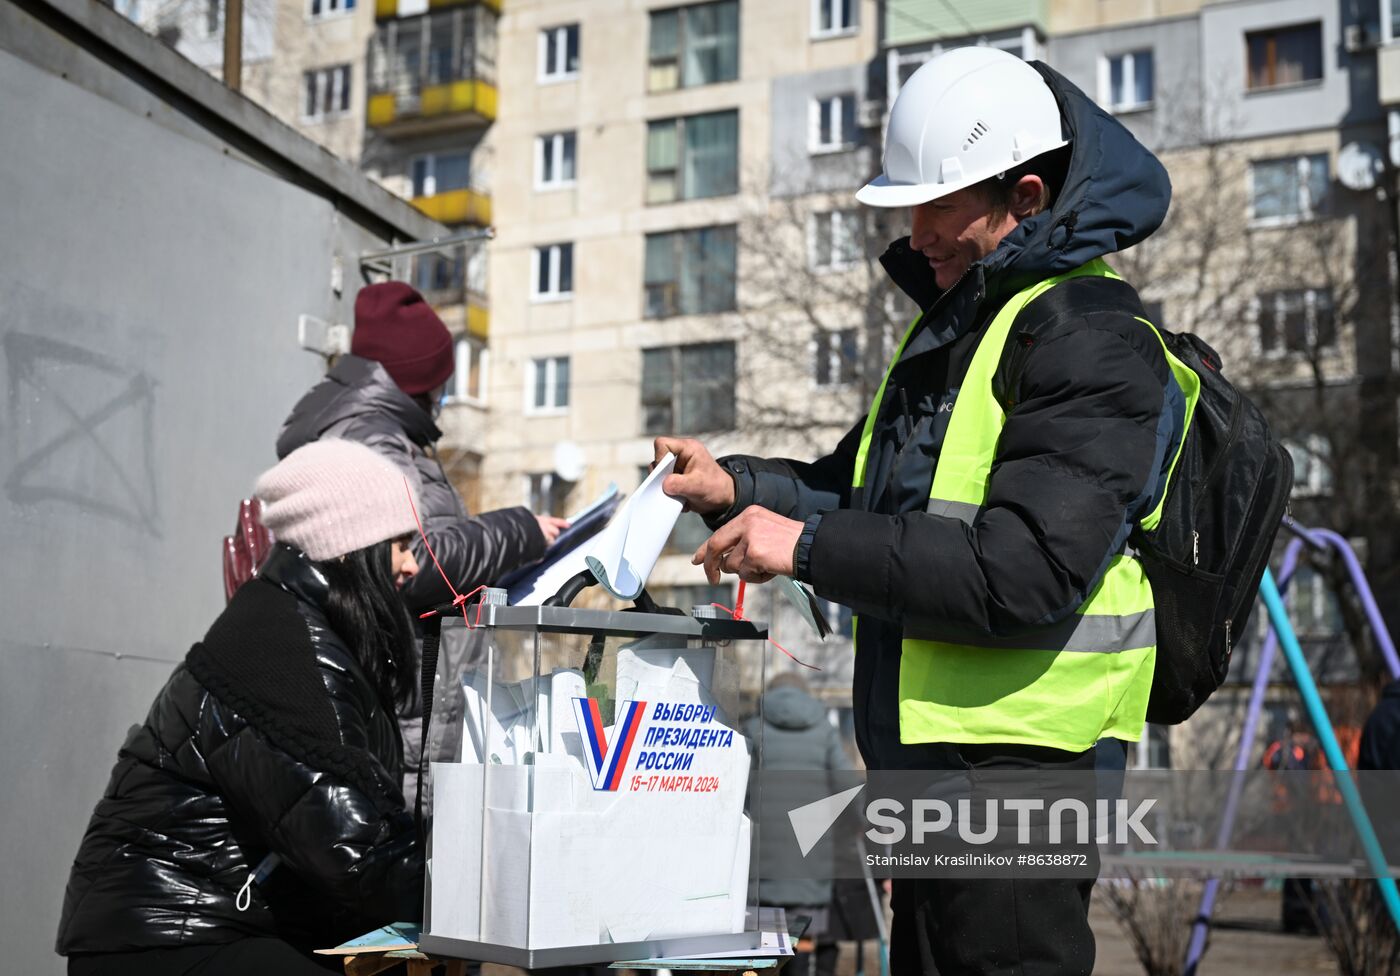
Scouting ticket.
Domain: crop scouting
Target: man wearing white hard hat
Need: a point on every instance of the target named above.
(977, 518)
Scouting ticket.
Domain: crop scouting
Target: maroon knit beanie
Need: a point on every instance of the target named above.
(396, 328)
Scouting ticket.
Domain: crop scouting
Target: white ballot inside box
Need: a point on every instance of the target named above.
(593, 808)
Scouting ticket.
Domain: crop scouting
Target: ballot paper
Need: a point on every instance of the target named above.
(510, 731)
(623, 554)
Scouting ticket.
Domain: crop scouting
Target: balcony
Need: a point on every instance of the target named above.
(387, 9)
(454, 207)
(919, 21)
(434, 72)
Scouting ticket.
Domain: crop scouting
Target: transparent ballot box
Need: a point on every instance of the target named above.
(588, 787)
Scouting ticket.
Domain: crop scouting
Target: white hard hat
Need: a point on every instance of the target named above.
(966, 115)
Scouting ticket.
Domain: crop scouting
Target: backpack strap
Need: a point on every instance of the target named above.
(1088, 293)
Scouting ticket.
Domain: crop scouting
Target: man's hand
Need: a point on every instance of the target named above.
(698, 481)
(756, 546)
(551, 526)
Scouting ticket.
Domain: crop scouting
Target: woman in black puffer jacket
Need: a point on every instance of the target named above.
(273, 745)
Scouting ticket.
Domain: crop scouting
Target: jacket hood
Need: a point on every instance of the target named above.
(354, 387)
(792, 708)
(1116, 194)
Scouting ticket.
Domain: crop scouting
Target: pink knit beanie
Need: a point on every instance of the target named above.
(334, 496)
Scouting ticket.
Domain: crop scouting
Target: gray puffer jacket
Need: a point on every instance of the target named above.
(796, 735)
(358, 401)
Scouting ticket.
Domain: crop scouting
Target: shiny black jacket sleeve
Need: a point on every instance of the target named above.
(352, 842)
(1078, 459)
(473, 549)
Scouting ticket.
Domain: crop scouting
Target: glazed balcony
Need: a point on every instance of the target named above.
(434, 72)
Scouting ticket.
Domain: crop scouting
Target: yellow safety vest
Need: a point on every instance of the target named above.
(1063, 685)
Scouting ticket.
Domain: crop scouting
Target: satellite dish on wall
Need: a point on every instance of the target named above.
(568, 461)
(1359, 166)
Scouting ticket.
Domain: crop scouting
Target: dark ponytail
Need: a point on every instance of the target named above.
(367, 612)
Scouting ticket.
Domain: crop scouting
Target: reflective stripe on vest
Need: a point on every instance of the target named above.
(1064, 685)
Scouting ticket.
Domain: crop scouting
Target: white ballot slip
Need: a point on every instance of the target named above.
(623, 554)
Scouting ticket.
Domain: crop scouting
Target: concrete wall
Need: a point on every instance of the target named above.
(1173, 118)
(157, 258)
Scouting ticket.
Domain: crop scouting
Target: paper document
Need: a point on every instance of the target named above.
(623, 554)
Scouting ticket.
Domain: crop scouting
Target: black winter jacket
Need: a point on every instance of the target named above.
(268, 738)
(358, 401)
(1093, 416)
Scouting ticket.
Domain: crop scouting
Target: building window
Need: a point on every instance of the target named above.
(329, 8)
(1289, 189)
(1296, 320)
(547, 493)
(834, 240)
(694, 46)
(1312, 465)
(690, 272)
(693, 157)
(836, 356)
(327, 93)
(553, 272)
(440, 173)
(688, 389)
(832, 123)
(468, 382)
(559, 53)
(1390, 20)
(831, 18)
(554, 160)
(213, 17)
(1284, 56)
(1126, 81)
(547, 385)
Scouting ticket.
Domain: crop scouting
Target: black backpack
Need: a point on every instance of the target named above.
(1224, 505)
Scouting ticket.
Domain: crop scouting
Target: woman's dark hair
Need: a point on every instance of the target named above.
(367, 612)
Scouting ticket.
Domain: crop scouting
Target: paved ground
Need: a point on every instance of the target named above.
(1248, 939)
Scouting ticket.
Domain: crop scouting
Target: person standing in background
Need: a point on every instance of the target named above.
(795, 734)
